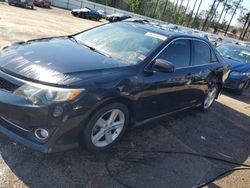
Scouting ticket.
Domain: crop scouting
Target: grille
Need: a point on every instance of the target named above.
(7, 85)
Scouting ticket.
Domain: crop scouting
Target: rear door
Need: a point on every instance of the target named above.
(204, 66)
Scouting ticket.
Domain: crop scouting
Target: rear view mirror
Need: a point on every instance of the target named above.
(162, 65)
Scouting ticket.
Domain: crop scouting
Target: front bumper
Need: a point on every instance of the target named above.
(45, 148)
(19, 119)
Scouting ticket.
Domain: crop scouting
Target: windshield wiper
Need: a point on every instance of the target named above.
(95, 50)
(73, 38)
(89, 47)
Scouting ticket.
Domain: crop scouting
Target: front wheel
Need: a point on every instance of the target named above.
(105, 127)
(210, 97)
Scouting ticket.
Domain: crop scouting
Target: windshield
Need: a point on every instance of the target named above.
(123, 42)
(233, 52)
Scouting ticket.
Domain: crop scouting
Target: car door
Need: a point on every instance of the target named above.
(167, 92)
(204, 66)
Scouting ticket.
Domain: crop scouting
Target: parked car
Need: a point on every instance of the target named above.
(215, 40)
(173, 27)
(110, 15)
(87, 13)
(102, 13)
(42, 3)
(204, 35)
(100, 81)
(247, 44)
(117, 17)
(239, 58)
(23, 3)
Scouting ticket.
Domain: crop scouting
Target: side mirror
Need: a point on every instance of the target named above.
(162, 65)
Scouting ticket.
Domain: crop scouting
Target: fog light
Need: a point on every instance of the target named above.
(58, 111)
(41, 134)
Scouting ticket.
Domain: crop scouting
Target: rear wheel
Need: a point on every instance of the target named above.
(105, 127)
(210, 97)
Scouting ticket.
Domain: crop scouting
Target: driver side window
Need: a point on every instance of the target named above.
(178, 53)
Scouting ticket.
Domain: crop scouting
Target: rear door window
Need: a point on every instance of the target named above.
(201, 53)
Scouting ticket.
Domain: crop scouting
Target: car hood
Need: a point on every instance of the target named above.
(53, 60)
(238, 66)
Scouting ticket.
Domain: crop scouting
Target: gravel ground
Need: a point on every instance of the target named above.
(223, 132)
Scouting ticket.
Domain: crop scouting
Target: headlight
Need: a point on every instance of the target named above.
(234, 73)
(40, 94)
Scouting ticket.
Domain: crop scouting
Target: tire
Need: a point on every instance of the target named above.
(210, 97)
(97, 136)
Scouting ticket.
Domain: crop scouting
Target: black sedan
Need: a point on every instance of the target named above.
(117, 17)
(62, 92)
(23, 3)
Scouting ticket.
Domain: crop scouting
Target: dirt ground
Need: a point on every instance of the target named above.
(223, 132)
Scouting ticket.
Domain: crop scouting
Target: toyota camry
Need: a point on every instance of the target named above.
(87, 89)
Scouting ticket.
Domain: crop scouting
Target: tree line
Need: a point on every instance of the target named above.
(218, 18)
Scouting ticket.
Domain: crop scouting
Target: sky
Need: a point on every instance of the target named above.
(205, 5)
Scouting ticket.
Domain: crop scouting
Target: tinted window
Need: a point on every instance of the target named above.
(178, 53)
(201, 53)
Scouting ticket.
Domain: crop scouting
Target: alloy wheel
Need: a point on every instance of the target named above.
(210, 97)
(107, 128)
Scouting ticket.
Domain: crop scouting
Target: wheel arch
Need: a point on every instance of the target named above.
(119, 99)
(218, 80)
(123, 100)
(126, 101)
(220, 87)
